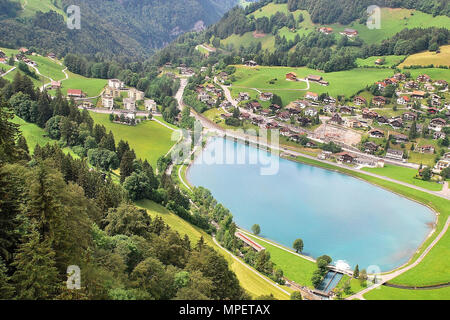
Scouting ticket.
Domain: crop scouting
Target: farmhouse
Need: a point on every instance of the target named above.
(291, 76)
(23, 50)
(370, 147)
(336, 119)
(396, 123)
(274, 107)
(326, 30)
(314, 78)
(284, 115)
(399, 138)
(251, 63)
(75, 93)
(324, 83)
(369, 114)
(394, 154)
(350, 33)
(346, 110)
(108, 102)
(243, 96)
(292, 109)
(375, 133)
(424, 78)
(379, 62)
(312, 96)
(409, 116)
(411, 85)
(437, 124)
(359, 101)
(266, 96)
(382, 119)
(55, 85)
(379, 101)
(255, 106)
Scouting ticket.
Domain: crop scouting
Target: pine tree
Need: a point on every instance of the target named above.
(6, 289)
(356, 272)
(36, 276)
(126, 165)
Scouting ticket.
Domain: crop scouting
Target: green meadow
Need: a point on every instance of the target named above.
(91, 86)
(389, 61)
(49, 68)
(30, 7)
(389, 293)
(149, 139)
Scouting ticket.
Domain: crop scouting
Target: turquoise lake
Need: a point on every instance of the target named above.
(335, 214)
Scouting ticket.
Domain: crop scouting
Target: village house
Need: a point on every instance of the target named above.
(274, 107)
(254, 106)
(314, 78)
(292, 109)
(326, 30)
(411, 85)
(324, 155)
(379, 62)
(394, 154)
(336, 119)
(417, 94)
(312, 96)
(329, 100)
(409, 116)
(75, 93)
(304, 121)
(324, 83)
(345, 157)
(210, 87)
(370, 147)
(432, 110)
(107, 102)
(400, 76)
(375, 133)
(226, 105)
(3, 61)
(396, 123)
(403, 100)
(346, 110)
(302, 103)
(203, 97)
(136, 94)
(437, 124)
(150, 105)
(113, 92)
(244, 116)
(129, 104)
(257, 120)
(426, 149)
(435, 100)
(291, 76)
(360, 101)
(369, 114)
(382, 119)
(441, 165)
(54, 85)
(352, 123)
(272, 125)
(284, 131)
(116, 84)
(424, 78)
(349, 32)
(329, 108)
(428, 87)
(442, 84)
(51, 55)
(379, 101)
(243, 96)
(266, 112)
(438, 135)
(399, 138)
(266, 96)
(311, 112)
(23, 50)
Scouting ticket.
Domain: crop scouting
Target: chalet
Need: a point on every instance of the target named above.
(243, 96)
(336, 119)
(432, 110)
(325, 155)
(23, 50)
(257, 120)
(312, 96)
(411, 85)
(403, 100)
(272, 125)
(55, 85)
(284, 116)
(251, 63)
(359, 101)
(223, 75)
(129, 104)
(438, 135)
(352, 123)
(244, 116)
(379, 101)
(275, 107)
(311, 112)
(75, 93)
(291, 76)
(203, 97)
(314, 78)
(437, 124)
(417, 94)
(441, 165)
(396, 123)
(345, 157)
(382, 119)
(391, 81)
(304, 121)
(426, 149)
(2, 54)
(375, 133)
(210, 87)
(226, 105)
(108, 102)
(150, 105)
(266, 112)
(409, 116)
(326, 30)
(324, 83)
(379, 62)
(441, 83)
(381, 85)
(394, 154)
(51, 55)
(435, 100)
(345, 110)
(3, 61)
(255, 106)
(329, 108)
(370, 147)
(266, 96)
(284, 131)
(424, 78)
(116, 84)
(350, 32)
(399, 138)
(369, 114)
(429, 87)
(295, 137)
(329, 99)
(292, 109)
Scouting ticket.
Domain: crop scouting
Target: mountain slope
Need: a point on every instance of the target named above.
(111, 27)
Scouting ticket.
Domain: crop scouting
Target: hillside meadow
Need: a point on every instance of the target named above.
(428, 57)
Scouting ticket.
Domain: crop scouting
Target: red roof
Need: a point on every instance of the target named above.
(74, 92)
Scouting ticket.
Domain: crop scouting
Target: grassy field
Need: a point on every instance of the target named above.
(35, 135)
(295, 268)
(355, 285)
(389, 61)
(341, 83)
(91, 86)
(267, 42)
(49, 68)
(405, 175)
(30, 7)
(426, 58)
(388, 293)
(248, 279)
(149, 139)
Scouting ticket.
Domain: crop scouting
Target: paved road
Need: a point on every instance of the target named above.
(10, 70)
(390, 276)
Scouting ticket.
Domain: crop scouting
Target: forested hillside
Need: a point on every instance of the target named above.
(126, 28)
